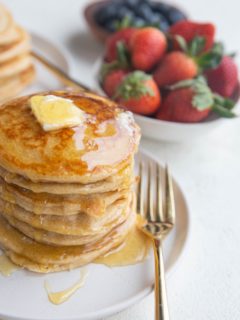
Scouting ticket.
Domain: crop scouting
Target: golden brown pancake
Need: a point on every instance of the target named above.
(99, 148)
(45, 258)
(11, 35)
(16, 68)
(65, 195)
(122, 180)
(17, 48)
(13, 85)
(15, 65)
(6, 20)
(62, 205)
(84, 235)
(78, 224)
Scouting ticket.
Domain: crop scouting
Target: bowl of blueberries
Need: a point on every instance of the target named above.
(106, 16)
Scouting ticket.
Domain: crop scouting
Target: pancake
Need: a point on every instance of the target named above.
(19, 47)
(11, 35)
(62, 205)
(79, 224)
(15, 66)
(6, 20)
(122, 180)
(11, 86)
(44, 258)
(118, 216)
(99, 148)
(66, 194)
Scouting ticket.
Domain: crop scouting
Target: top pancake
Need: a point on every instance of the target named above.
(103, 144)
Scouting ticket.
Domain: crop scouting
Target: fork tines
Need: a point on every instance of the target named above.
(150, 195)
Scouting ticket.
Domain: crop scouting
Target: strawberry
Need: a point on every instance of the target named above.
(178, 107)
(177, 66)
(192, 101)
(122, 35)
(174, 67)
(139, 93)
(189, 30)
(112, 80)
(147, 46)
(223, 79)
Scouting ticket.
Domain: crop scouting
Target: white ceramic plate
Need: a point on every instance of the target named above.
(106, 291)
(166, 130)
(44, 79)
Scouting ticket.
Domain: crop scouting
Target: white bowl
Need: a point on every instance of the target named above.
(174, 131)
(165, 130)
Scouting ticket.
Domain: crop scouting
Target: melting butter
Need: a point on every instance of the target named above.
(54, 112)
(62, 296)
(134, 250)
(6, 266)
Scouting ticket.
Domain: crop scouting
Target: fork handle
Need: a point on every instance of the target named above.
(161, 304)
(61, 75)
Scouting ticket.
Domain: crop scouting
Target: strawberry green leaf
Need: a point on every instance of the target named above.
(122, 61)
(106, 68)
(181, 42)
(124, 23)
(223, 112)
(203, 98)
(188, 83)
(134, 86)
(123, 55)
(181, 84)
(196, 46)
(212, 58)
(224, 102)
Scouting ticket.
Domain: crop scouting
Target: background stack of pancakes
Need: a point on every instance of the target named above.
(16, 68)
(66, 196)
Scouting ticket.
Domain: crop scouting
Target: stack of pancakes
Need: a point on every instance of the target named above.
(16, 68)
(66, 196)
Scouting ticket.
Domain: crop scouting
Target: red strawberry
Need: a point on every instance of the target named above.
(139, 93)
(147, 46)
(174, 67)
(178, 107)
(124, 36)
(189, 30)
(223, 79)
(112, 81)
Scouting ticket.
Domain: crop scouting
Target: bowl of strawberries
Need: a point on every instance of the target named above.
(179, 84)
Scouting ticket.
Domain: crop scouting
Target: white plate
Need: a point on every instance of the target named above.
(44, 79)
(106, 291)
(165, 130)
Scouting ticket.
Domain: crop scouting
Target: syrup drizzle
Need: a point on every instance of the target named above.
(62, 296)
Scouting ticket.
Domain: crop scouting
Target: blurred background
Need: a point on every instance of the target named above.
(65, 17)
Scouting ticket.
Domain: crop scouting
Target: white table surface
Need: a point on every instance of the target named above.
(206, 284)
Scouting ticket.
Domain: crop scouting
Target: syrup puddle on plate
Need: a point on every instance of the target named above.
(135, 249)
(6, 266)
(62, 296)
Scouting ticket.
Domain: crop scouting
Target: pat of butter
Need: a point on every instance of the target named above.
(54, 112)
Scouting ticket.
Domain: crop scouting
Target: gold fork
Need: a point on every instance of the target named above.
(160, 219)
(60, 74)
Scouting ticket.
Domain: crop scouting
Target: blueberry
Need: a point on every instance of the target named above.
(132, 4)
(175, 15)
(124, 12)
(106, 13)
(161, 7)
(111, 25)
(139, 22)
(164, 25)
(144, 11)
(153, 19)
